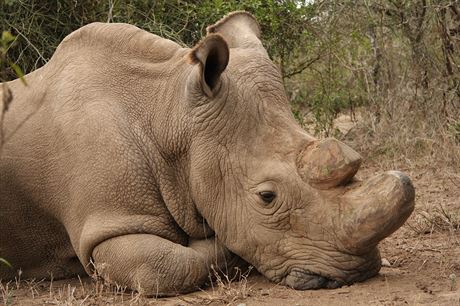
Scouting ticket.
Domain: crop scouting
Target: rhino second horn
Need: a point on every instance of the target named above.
(328, 163)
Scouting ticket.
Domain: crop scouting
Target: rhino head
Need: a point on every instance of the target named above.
(282, 200)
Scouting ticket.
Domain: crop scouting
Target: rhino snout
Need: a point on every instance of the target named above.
(370, 211)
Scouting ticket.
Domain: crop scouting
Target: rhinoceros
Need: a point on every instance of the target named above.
(156, 163)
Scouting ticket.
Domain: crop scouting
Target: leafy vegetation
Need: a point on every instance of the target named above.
(6, 41)
(396, 61)
(5, 262)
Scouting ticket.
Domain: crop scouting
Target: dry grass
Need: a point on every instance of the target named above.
(409, 143)
(93, 291)
(224, 290)
(438, 219)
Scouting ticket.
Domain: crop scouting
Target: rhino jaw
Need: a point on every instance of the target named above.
(311, 276)
(375, 209)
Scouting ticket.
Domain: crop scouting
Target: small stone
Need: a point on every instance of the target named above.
(453, 282)
(385, 263)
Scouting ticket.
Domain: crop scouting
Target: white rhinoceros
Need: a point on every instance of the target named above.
(154, 161)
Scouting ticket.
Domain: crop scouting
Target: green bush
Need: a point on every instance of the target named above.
(391, 56)
(41, 25)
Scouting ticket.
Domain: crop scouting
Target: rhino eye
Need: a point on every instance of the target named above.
(267, 196)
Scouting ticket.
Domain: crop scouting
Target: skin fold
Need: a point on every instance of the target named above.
(155, 164)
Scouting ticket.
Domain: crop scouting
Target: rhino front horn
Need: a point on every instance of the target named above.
(328, 163)
(375, 209)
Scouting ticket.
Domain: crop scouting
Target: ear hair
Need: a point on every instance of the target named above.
(246, 18)
(192, 58)
(204, 43)
(240, 29)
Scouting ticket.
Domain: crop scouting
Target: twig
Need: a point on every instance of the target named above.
(28, 41)
(6, 97)
(110, 13)
(304, 66)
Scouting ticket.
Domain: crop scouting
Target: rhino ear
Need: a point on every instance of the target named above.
(212, 54)
(240, 29)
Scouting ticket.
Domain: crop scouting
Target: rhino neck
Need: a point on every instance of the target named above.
(164, 128)
(175, 191)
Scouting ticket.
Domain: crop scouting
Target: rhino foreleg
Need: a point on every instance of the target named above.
(156, 266)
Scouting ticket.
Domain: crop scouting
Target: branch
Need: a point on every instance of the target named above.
(421, 21)
(455, 10)
(304, 66)
(30, 43)
(6, 98)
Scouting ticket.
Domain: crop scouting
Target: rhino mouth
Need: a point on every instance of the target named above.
(305, 280)
(302, 279)
(354, 269)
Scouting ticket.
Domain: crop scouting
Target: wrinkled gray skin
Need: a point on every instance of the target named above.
(134, 153)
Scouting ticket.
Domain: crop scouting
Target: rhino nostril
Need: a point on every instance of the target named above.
(334, 284)
(305, 280)
(351, 183)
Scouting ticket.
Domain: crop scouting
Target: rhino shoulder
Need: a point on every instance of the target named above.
(122, 38)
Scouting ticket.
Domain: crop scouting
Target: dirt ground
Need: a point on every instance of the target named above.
(422, 266)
